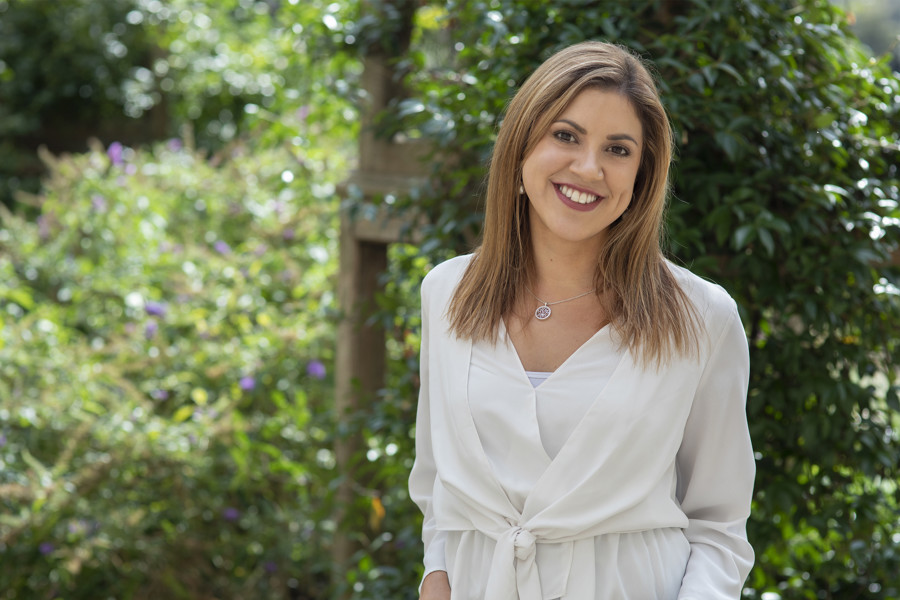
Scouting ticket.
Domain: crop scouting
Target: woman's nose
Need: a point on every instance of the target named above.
(588, 166)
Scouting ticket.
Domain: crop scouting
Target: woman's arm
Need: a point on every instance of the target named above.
(435, 586)
(424, 472)
(716, 469)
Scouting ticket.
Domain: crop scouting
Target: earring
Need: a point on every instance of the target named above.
(521, 189)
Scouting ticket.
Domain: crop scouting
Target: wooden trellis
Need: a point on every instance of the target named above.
(385, 168)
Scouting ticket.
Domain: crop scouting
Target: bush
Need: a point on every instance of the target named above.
(166, 334)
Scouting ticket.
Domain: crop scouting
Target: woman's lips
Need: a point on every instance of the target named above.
(575, 205)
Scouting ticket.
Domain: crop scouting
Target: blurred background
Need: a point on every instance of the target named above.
(215, 215)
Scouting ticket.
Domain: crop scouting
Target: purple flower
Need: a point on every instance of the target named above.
(155, 309)
(130, 169)
(315, 369)
(2, 440)
(247, 383)
(288, 234)
(159, 395)
(270, 566)
(260, 250)
(174, 145)
(43, 227)
(303, 112)
(222, 247)
(46, 548)
(150, 329)
(231, 514)
(98, 202)
(114, 152)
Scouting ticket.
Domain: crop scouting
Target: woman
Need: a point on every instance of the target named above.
(581, 431)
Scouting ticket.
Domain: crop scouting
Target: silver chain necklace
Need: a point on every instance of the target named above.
(542, 313)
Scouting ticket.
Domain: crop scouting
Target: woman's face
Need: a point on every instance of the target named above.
(580, 176)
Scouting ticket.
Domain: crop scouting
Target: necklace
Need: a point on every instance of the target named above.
(542, 313)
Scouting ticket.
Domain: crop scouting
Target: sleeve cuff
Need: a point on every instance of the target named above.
(435, 558)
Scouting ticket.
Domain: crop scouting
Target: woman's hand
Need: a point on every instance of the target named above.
(436, 586)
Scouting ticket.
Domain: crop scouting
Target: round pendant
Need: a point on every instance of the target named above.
(542, 313)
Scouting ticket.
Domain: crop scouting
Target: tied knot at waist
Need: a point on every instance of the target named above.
(514, 574)
(524, 543)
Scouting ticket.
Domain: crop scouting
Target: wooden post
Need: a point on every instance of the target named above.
(385, 167)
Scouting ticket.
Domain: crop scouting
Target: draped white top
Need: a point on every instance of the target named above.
(606, 481)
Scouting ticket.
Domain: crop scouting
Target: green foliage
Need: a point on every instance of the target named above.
(141, 70)
(64, 65)
(785, 191)
(166, 346)
(66, 60)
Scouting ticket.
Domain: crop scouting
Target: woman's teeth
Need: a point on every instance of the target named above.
(577, 196)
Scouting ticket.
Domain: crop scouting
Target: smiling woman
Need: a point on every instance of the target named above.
(581, 431)
(586, 162)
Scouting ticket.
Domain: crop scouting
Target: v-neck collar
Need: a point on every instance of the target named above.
(523, 373)
(552, 464)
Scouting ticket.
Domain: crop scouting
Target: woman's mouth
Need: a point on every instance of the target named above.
(577, 199)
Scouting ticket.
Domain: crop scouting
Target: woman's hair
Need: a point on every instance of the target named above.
(645, 304)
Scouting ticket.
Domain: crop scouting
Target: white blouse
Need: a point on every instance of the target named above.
(530, 423)
(605, 481)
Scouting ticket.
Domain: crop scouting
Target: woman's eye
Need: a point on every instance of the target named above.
(620, 150)
(564, 136)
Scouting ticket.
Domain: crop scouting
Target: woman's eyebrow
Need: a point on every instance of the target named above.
(622, 136)
(615, 137)
(574, 125)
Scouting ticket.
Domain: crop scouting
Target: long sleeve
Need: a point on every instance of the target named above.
(424, 472)
(716, 469)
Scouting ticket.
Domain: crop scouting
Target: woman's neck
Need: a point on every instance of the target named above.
(562, 270)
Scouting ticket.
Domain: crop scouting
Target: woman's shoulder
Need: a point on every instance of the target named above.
(442, 279)
(709, 298)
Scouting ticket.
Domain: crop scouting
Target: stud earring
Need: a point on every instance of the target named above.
(521, 189)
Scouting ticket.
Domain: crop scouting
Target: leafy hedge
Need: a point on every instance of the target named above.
(166, 342)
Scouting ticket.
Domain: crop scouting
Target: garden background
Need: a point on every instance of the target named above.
(171, 177)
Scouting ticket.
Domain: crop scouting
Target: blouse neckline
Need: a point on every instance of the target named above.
(504, 335)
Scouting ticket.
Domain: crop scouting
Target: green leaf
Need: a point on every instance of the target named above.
(733, 72)
(765, 237)
(183, 414)
(19, 296)
(743, 235)
(728, 142)
(825, 119)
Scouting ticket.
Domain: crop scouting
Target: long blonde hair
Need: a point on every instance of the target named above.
(646, 306)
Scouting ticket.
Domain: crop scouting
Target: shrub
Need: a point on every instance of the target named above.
(166, 358)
